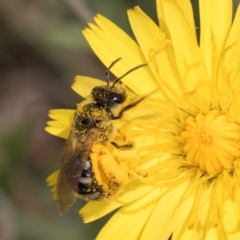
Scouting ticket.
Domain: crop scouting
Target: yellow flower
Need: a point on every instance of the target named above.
(188, 137)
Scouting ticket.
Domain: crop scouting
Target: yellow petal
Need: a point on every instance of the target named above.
(131, 192)
(232, 54)
(156, 48)
(186, 8)
(62, 120)
(231, 219)
(211, 233)
(216, 19)
(191, 214)
(84, 85)
(64, 115)
(59, 132)
(188, 56)
(161, 224)
(52, 179)
(109, 42)
(129, 221)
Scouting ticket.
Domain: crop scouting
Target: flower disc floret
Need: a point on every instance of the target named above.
(211, 141)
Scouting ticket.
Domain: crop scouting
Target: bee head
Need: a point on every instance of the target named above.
(109, 96)
(113, 95)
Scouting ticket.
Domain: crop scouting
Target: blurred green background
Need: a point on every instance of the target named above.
(42, 49)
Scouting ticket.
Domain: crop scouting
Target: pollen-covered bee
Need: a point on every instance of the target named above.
(87, 147)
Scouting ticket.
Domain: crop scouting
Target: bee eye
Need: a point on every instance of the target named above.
(118, 97)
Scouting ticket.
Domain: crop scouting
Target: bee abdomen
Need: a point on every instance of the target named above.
(87, 187)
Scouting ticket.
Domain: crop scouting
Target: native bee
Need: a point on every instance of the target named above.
(87, 147)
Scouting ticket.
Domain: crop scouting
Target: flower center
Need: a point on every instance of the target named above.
(211, 141)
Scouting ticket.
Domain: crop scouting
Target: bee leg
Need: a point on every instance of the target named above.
(124, 146)
(120, 141)
(129, 106)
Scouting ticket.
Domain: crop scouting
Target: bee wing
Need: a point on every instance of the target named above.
(76, 153)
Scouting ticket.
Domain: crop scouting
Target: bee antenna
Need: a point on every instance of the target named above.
(125, 74)
(108, 70)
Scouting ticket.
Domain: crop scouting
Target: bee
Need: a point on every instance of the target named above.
(87, 147)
